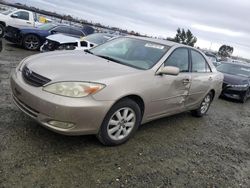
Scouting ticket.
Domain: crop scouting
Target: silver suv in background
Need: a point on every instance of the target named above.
(113, 88)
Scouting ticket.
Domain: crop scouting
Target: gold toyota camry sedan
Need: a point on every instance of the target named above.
(112, 89)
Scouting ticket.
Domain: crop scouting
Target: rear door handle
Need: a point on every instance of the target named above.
(28, 22)
(210, 78)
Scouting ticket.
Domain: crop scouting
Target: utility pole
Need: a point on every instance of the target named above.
(210, 46)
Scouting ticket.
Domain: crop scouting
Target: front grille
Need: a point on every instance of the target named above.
(33, 78)
(51, 45)
(224, 85)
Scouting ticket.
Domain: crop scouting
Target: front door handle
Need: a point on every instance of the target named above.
(186, 81)
(28, 22)
(210, 78)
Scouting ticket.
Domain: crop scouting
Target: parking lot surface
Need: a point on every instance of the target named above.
(177, 151)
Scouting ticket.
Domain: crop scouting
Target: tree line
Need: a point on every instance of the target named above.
(187, 38)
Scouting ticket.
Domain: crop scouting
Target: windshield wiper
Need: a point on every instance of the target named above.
(109, 58)
(88, 51)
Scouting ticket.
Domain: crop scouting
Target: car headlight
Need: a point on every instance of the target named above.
(240, 86)
(74, 89)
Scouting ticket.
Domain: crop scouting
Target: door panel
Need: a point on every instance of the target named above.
(170, 93)
(201, 79)
(200, 85)
(23, 19)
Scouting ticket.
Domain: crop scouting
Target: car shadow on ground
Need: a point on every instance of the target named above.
(13, 46)
(53, 139)
(230, 100)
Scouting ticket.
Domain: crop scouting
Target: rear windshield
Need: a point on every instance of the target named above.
(98, 38)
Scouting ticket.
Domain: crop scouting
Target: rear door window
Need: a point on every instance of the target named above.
(199, 63)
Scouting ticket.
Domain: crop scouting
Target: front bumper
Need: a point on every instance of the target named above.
(234, 93)
(49, 46)
(85, 113)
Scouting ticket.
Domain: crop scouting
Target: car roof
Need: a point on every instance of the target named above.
(160, 41)
(66, 25)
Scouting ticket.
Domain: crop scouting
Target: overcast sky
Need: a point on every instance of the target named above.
(214, 22)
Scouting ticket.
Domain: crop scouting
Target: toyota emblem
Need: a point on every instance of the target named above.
(28, 72)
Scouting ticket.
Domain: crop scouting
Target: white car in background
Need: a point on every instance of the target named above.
(17, 17)
(65, 42)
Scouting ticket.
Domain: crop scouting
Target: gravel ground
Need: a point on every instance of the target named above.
(178, 151)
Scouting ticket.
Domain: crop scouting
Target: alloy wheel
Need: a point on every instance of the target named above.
(121, 123)
(205, 104)
(31, 42)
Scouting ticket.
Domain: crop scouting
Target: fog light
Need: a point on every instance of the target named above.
(62, 125)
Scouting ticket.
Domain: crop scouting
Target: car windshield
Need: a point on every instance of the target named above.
(234, 69)
(7, 12)
(47, 26)
(137, 53)
(98, 38)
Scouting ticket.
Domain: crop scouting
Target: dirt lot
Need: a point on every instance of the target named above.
(178, 151)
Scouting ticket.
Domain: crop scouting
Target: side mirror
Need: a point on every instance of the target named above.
(53, 32)
(170, 70)
(14, 15)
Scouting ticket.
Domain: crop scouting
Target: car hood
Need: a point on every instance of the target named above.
(76, 66)
(234, 79)
(62, 39)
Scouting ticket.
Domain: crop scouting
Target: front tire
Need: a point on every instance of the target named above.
(1, 30)
(245, 96)
(31, 42)
(120, 123)
(204, 106)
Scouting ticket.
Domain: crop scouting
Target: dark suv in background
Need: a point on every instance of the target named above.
(236, 84)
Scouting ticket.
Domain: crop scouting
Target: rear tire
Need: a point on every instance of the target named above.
(204, 106)
(1, 30)
(31, 42)
(120, 123)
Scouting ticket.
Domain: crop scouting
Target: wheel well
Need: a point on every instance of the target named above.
(213, 93)
(138, 100)
(2, 23)
(31, 34)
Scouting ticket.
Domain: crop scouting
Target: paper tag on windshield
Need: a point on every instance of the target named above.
(151, 45)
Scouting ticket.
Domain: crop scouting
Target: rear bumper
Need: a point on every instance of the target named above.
(85, 114)
(13, 39)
